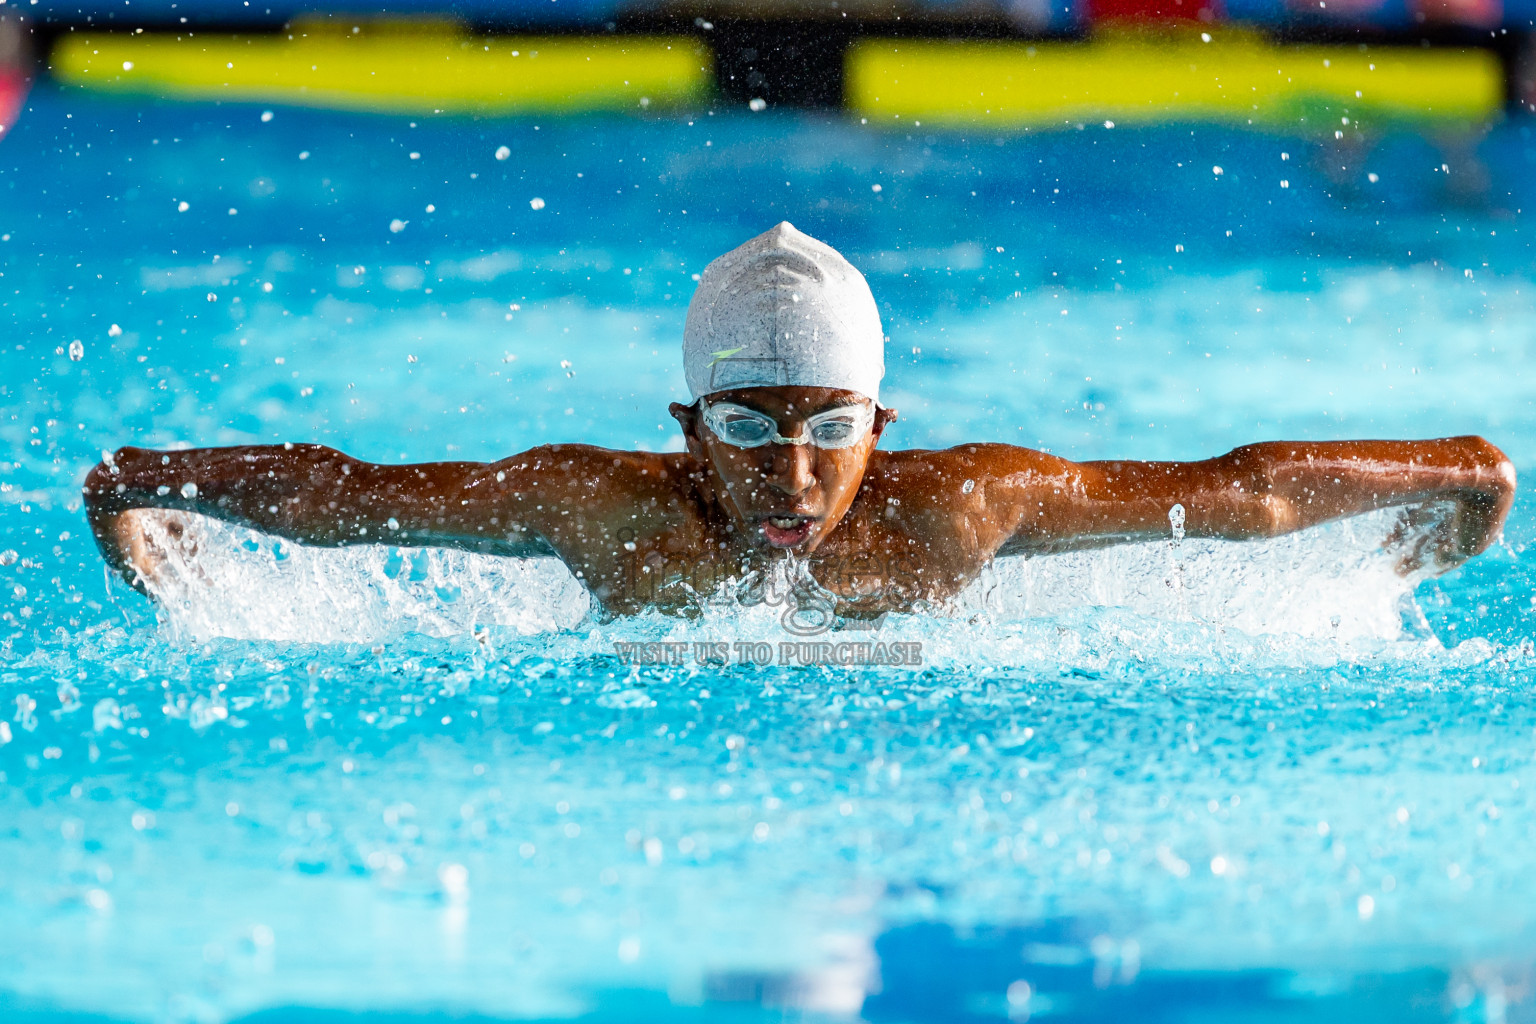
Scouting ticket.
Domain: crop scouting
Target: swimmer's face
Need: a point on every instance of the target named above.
(786, 496)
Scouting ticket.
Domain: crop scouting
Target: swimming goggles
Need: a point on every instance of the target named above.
(841, 427)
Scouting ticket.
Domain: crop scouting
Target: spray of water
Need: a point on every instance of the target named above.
(1334, 584)
(215, 579)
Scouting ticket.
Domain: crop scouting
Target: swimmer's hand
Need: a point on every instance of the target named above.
(118, 531)
(135, 540)
(151, 545)
(1436, 537)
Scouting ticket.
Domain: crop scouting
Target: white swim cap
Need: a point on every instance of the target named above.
(783, 309)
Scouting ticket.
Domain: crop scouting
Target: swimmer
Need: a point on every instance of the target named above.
(784, 353)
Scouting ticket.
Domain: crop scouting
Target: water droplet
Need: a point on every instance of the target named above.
(77, 350)
(968, 487)
(502, 152)
(536, 203)
(25, 705)
(107, 715)
(455, 881)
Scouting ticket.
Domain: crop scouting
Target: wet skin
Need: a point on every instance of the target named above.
(881, 530)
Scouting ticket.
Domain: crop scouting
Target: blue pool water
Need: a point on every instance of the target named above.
(1194, 782)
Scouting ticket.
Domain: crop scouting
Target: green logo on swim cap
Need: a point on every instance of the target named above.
(724, 353)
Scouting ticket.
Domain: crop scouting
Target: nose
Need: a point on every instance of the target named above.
(790, 470)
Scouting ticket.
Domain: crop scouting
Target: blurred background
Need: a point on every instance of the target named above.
(540, 169)
(1002, 62)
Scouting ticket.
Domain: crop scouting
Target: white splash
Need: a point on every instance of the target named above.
(222, 580)
(1335, 582)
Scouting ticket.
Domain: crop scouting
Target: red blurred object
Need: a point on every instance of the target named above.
(13, 93)
(1145, 11)
(1464, 13)
(15, 71)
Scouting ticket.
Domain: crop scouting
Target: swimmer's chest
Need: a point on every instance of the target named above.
(871, 564)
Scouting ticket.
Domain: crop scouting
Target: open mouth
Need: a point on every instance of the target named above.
(786, 531)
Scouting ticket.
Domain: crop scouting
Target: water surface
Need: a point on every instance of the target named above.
(1205, 780)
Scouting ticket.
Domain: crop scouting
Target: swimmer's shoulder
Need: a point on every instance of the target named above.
(960, 494)
(591, 462)
(925, 487)
(597, 478)
(932, 470)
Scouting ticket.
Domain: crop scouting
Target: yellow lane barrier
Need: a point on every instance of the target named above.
(1217, 74)
(407, 69)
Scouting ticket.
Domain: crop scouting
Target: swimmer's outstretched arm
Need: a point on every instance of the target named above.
(320, 496)
(1264, 490)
